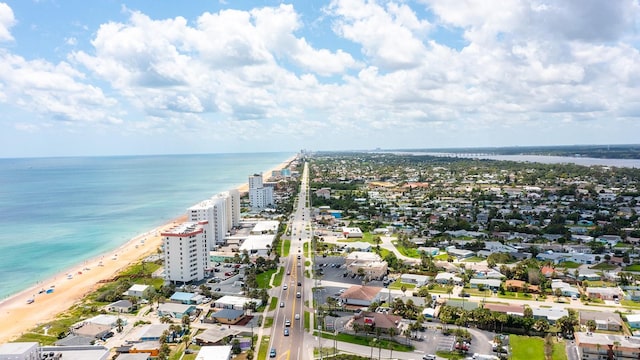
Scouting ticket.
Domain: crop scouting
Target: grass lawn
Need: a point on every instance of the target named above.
(603, 266)
(263, 278)
(397, 285)
(366, 341)
(277, 280)
(287, 248)
(476, 292)
(452, 355)
(634, 267)
(409, 252)
(569, 265)
(630, 303)
(526, 348)
(515, 295)
(274, 303)
(473, 259)
(441, 257)
(268, 322)
(531, 347)
(307, 321)
(437, 288)
(559, 351)
(263, 351)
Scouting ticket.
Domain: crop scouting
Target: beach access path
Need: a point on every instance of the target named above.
(18, 314)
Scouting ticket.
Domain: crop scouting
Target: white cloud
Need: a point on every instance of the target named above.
(7, 21)
(391, 37)
(58, 92)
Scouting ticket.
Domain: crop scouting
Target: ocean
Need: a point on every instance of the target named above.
(56, 213)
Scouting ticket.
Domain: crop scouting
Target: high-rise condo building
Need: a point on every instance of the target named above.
(186, 253)
(259, 196)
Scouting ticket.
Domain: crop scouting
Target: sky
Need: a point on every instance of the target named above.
(134, 77)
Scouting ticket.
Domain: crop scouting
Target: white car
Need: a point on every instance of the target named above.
(285, 287)
(297, 317)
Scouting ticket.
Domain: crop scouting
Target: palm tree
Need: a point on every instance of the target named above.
(591, 325)
(119, 325)
(392, 332)
(450, 290)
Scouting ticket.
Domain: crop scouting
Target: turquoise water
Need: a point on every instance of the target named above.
(57, 212)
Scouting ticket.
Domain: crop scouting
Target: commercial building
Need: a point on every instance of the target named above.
(260, 196)
(360, 295)
(361, 256)
(222, 352)
(186, 254)
(235, 302)
(258, 245)
(605, 346)
(370, 269)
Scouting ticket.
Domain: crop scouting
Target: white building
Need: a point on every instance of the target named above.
(19, 351)
(217, 213)
(258, 245)
(222, 352)
(260, 196)
(235, 302)
(186, 254)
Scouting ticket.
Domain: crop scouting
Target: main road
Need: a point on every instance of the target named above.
(289, 315)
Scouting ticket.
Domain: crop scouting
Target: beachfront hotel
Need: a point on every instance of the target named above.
(186, 252)
(260, 196)
(221, 212)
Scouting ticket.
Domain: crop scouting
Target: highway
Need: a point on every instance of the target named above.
(292, 346)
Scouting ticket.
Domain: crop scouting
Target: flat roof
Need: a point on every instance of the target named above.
(222, 352)
(182, 296)
(236, 300)
(89, 352)
(151, 331)
(258, 242)
(262, 226)
(16, 347)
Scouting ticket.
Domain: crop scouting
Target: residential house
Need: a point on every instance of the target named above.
(120, 306)
(459, 253)
(150, 332)
(633, 320)
(446, 278)
(516, 310)
(175, 310)
(186, 298)
(604, 293)
(550, 314)
(567, 289)
(228, 316)
(417, 280)
(492, 284)
(604, 320)
(521, 286)
(139, 291)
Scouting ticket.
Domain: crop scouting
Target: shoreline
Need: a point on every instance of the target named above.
(71, 285)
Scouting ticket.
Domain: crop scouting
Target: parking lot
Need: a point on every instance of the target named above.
(333, 269)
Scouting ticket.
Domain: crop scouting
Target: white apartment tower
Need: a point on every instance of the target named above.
(186, 253)
(259, 195)
(214, 212)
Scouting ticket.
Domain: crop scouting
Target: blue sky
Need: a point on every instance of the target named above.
(155, 77)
